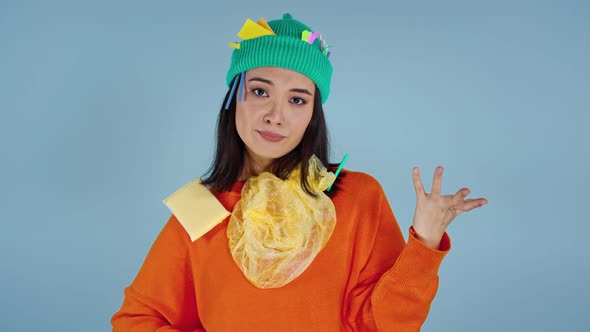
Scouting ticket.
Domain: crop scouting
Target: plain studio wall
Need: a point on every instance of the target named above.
(108, 107)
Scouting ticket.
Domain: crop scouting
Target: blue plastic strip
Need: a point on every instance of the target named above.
(233, 89)
(242, 83)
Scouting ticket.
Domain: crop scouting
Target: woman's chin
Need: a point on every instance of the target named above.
(267, 154)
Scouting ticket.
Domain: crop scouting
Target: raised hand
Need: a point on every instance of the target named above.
(434, 212)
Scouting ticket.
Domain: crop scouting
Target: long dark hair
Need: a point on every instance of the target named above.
(230, 151)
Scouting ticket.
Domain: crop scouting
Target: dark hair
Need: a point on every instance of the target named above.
(229, 155)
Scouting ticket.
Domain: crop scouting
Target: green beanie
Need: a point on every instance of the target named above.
(286, 46)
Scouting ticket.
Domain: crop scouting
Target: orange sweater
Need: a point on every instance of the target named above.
(366, 278)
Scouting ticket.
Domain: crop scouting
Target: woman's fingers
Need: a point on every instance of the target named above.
(461, 194)
(455, 202)
(437, 180)
(417, 182)
(470, 204)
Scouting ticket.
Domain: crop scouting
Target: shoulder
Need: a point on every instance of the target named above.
(361, 204)
(355, 180)
(359, 186)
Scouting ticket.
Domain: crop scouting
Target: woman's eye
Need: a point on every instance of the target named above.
(259, 92)
(298, 101)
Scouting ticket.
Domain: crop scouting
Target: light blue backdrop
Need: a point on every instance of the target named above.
(108, 107)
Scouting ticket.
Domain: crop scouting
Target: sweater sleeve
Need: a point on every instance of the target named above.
(162, 297)
(398, 297)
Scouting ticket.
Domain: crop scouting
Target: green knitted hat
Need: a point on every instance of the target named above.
(285, 43)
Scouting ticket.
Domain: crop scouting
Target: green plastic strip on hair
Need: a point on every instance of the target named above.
(338, 170)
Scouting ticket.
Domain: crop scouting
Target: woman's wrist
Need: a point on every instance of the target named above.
(431, 241)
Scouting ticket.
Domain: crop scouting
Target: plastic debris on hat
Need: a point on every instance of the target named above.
(310, 37)
(251, 30)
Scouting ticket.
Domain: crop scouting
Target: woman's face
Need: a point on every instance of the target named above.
(275, 110)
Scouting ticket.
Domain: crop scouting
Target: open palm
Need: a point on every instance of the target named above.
(434, 212)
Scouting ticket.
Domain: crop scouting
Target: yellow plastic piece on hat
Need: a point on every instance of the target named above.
(234, 45)
(305, 35)
(263, 23)
(196, 208)
(276, 229)
(251, 30)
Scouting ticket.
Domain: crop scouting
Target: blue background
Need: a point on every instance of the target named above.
(108, 107)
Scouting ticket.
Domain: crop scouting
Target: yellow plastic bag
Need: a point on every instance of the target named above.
(277, 229)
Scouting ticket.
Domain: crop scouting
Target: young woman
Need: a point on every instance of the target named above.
(271, 239)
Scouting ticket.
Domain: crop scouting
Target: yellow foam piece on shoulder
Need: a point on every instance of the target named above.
(196, 208)
(252, 30)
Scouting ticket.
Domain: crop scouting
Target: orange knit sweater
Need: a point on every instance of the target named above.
(365, 279)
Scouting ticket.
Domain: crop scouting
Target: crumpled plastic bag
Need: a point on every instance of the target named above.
(277, 229)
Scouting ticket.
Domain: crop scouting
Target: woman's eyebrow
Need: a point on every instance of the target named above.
(260, 79)
(305, 91)
(269, 82)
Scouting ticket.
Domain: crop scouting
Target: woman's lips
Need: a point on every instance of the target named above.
(270, 136)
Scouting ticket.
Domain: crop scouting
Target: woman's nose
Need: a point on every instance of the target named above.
(274, 114)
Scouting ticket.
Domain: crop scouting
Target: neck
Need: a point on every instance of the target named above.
(253, 166)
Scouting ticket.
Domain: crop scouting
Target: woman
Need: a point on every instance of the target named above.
(272, 240)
